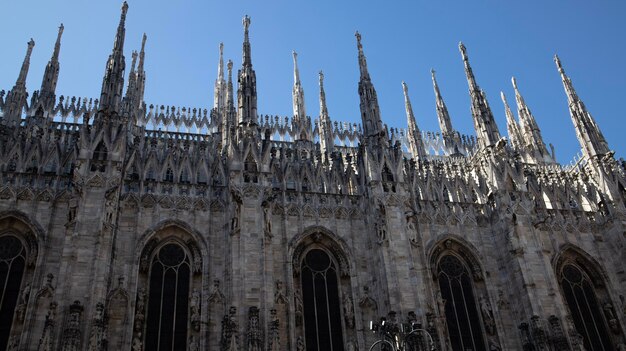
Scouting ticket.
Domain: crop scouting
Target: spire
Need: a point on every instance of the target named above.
(229, 91)
(141, 73)
(589, 135)
(219, 96)
(228, 111)
(513, 129)
(445, 123)
(486, 129)
(133, 62)
(247, 57)
(415, 136)
(299, 111)
(362, 61)
(113, 81)
(21, 79)
(16, 97)
(325, 125)
(370, 111)
(246, 84)
(529, 129)
(51, 74)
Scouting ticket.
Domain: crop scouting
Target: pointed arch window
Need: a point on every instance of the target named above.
(250, 170)
(98, 162)
(457, 296)
(12, 266)
(169, 175)
(168, 296)
(201, 177)
(583, 304)
(184, 176)
(320, 290)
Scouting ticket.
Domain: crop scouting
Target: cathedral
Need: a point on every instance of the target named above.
(127, 226)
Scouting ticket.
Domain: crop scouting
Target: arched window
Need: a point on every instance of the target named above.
(457, 296)
(169, 175)
(168, 296)
(584, 307)
(98, 162)
(320, 292)
(12, 265)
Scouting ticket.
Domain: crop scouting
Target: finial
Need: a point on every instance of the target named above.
(143, 42)
(31, 44)
(246, 23)
(124, 11)
(432, 72)
(558, 63)
(463, 50)
(358, 39)
(296, 72)
(220, 66)
(321, 74)
(61, 30)
(229, 65)
(132, 65)
(404, 88)
(514, 82)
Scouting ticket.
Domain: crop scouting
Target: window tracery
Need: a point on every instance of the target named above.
(582, 294)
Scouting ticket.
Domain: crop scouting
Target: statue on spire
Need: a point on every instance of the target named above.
(246, 23)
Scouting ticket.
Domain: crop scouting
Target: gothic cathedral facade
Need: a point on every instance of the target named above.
(126, 226)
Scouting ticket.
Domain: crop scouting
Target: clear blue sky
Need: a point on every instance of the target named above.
(402, 41)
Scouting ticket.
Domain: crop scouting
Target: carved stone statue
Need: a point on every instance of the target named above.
(234, 222)
(137, 344)
(609, 313)
(441, 305)
(267, 219)
(348, 310)
(193, 344)
(485, 310)
(194, 308)
(140, 309)
(381, 229)
(300, 344)
(299, 306)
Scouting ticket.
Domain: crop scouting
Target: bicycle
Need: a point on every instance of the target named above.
(399, 337)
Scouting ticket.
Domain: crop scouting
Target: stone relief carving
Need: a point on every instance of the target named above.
(97, 337)
(255, 334)
(230, 331)
(216, 297)
(273, 340)
(71, 340)
(279, 296)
